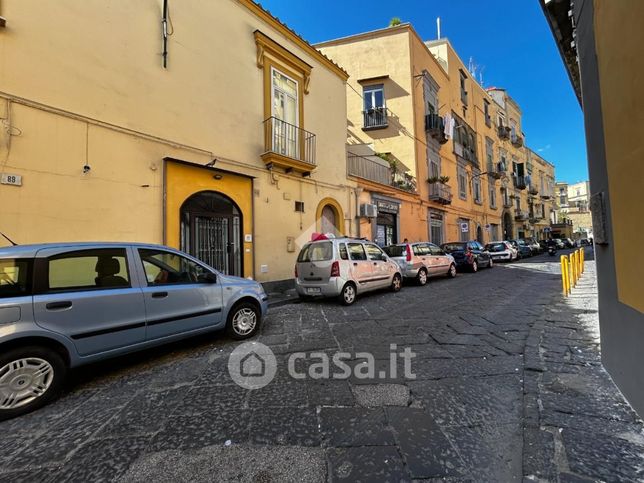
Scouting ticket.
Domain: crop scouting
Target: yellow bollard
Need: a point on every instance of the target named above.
(571, 261)
(564, 274)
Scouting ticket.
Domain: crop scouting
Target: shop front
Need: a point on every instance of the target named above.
(387, 224)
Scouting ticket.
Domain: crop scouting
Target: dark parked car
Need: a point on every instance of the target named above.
(568, 243)
(522, 247)
(469, 255)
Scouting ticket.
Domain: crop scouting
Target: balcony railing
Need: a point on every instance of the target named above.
(533, 190)
(441, 193)
(520, 214)
(374, 118)
(368, 169)
(519, 182)
(504, 132)
(288, 146)
(517, 141)
(435, 126)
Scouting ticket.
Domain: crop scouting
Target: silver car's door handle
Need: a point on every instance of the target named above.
(159, 295)
(58, 305)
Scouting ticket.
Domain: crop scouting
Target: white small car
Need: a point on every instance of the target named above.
(502, 251)
(344, 268)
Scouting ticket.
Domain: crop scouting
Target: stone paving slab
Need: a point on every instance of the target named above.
(506, 387)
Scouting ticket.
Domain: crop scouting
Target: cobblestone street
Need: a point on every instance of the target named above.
(508, 386)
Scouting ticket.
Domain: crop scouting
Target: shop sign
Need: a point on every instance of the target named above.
(387, 206)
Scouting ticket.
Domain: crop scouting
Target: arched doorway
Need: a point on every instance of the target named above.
(507, 226)
(211, 230)
(479, 234)
(327, 220)
(329, 217)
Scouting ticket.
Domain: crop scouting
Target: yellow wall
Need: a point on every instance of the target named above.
(618, 39)
(182, 181)
(101, 67)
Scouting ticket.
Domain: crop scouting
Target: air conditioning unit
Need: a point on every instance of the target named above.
(368, 210)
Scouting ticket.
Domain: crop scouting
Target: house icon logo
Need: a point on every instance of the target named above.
(252, 365)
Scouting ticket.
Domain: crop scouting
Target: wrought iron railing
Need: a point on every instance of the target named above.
(375, 118)
(289, 140)
(519, 182)
(368, 169)
(440, 192)
(520, 214)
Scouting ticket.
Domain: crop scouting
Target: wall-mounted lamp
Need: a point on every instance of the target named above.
(87, 168)
(211, 163)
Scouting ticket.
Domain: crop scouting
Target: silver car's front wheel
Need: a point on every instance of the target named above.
(243, 321)
(29, 378)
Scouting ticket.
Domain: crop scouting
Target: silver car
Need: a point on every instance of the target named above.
(422, 260)
(64, 305)
(344, 268)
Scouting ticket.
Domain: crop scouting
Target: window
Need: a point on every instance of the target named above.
(165, 268)
(88, 270)
(343, 251)
(436, 251)
(517, 201)
(486, 112)
(421, 250)
(476, 183)
(434, 163)
(356, 251)
(285, 110)
(374, 252)
(462, 183)
(489, 154)
(374, 97)
(501, 120)
(15, 277)
(492, 194)
(299, 206)
(436, 227)
(463, 88)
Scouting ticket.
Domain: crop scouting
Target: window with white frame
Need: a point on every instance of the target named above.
(434, 163)
(374, 97)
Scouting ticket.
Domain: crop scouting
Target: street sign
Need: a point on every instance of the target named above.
(465, 227)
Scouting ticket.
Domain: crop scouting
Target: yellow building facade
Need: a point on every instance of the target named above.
(122, 125)
(466, 181)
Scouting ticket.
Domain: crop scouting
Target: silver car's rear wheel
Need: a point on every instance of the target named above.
(29, 378)
(348, 295)
(24, 380)
(422, 276)
(452, 271)
(243, 321)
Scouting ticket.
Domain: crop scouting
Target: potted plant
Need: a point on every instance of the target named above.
(444, 179)
(433, 179)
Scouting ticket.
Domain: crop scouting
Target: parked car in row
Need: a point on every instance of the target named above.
(501, 251)
(470, 255)
(524, 250)
(64, 305)
(422, 260)
(534, 245)
(344, 268)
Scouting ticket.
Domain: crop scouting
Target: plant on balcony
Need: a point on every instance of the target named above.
(444, 179)
(433, 179)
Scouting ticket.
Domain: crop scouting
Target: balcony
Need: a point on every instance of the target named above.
(288, 147)
(546, 196)
(504, 132)
(440, 193)
(488, 120)
(365, 168)
(519, 182)
(517, 141)
(435, 127)
(375, 118)
(520, 215)
(533, 190)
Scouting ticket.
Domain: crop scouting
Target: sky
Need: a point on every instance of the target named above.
(509, 40)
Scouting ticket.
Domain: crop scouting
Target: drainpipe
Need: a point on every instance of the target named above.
(358, 192)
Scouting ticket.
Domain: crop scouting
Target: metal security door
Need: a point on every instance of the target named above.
(217, 243)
